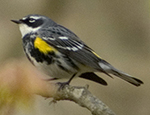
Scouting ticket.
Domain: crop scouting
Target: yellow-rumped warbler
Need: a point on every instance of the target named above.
(59, 53)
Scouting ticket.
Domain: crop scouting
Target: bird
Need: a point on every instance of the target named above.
(60, 53)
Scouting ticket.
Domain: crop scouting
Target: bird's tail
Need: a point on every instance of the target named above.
(109, 69)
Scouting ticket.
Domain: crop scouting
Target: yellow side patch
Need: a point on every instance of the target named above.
(96, 54)
(43, 46)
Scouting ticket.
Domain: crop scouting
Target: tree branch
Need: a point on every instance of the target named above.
(84, 98)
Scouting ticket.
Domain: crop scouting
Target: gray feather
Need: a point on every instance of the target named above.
(109, 69)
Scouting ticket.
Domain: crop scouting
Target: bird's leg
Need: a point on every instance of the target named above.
(68, 82)
(62, 84)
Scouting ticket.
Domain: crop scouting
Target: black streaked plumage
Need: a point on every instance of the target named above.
(69, 57)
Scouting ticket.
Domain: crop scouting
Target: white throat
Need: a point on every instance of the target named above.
(24, 29)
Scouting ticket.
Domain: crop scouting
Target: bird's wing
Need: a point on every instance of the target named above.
(69, 44)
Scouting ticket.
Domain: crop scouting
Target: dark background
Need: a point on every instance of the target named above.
(117, 30)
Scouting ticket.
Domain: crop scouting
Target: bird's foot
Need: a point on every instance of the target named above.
(62, 85)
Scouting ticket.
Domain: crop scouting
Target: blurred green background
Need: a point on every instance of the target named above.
(118, 30)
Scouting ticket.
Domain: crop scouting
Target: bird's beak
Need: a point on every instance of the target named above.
(17, 21)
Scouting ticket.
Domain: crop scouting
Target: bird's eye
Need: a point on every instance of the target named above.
(31, 20)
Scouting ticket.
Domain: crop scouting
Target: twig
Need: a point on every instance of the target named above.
(84, 98)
